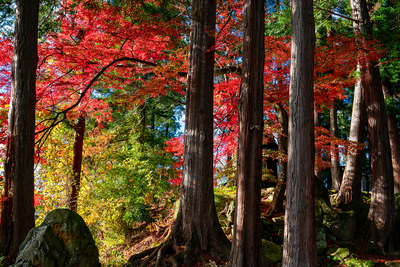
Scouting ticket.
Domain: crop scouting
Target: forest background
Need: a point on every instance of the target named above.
(111, 85)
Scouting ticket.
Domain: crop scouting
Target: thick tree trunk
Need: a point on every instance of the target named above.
(19, 164)
(393, 137)
(197, 227)
(317, 123)
(351, 182)
(246, 246)
(77, 162)
(381, 214)
(279, 192)
(335, 166)
(299, 247)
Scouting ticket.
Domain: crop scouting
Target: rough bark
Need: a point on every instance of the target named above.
(19, 163)
(299, 247)
(381, 214)
(246, 245)
(197, 227)
(335, 166)
(350, 188)
(393, 138)
(317, 123)
(279, 192)
(77, 162)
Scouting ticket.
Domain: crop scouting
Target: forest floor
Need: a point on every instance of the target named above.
(157, 232)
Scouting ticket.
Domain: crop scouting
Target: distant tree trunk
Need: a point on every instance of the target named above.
(299, 247)
(77, 162)
(381, 213)
(393, 137)
(142, 124)
(279, 192)
(317, 123)
(335, 166)
(351, 182)
(246, 245)
(197, 227)
(18, 212)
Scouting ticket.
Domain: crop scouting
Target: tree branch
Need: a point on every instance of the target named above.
(387, 61)
(337, 14)
(63, 114)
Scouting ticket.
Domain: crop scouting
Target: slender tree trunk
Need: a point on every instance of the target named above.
(335, 166)
(246, 246)
(279, 192)
(393, 137)
(77, 162)
(317, 123)
(19, 163)
(197, 227)
(381, 213)
(351, 182)
(142, 123)
(299, 247)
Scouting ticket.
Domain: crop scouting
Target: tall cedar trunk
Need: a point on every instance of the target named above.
(197, 226)
(246, 245)
(18, 213)
(381, 212)
(393, 137)
(317, 123)
(279, 192)
(335, 167)
(350, 188)
(77, 162)
(299, 247)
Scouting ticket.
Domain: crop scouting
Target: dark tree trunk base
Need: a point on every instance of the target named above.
(177, 252)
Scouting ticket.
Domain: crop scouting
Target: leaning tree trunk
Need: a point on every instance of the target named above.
(18, 212)
(335, 166)
(77, 162)
(381, 213)
(350, 188)
(279, 192)
(393, 137)
(246, 245)
(299, 247)
(197, 227)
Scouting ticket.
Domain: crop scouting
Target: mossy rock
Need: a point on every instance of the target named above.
(361, 209)
(392, 264)
(321, 238)
(279, 220)
(62, 240)
(322, 201)
(272, 251)
(340, 253)
(342, 224)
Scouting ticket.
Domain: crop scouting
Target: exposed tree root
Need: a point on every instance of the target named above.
(190, 254)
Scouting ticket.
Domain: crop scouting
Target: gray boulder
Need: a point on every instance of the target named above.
(62, 240)
(342, 224)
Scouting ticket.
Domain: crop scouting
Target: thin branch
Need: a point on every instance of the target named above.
(63, 114)
(387, 61)
(337, 14)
